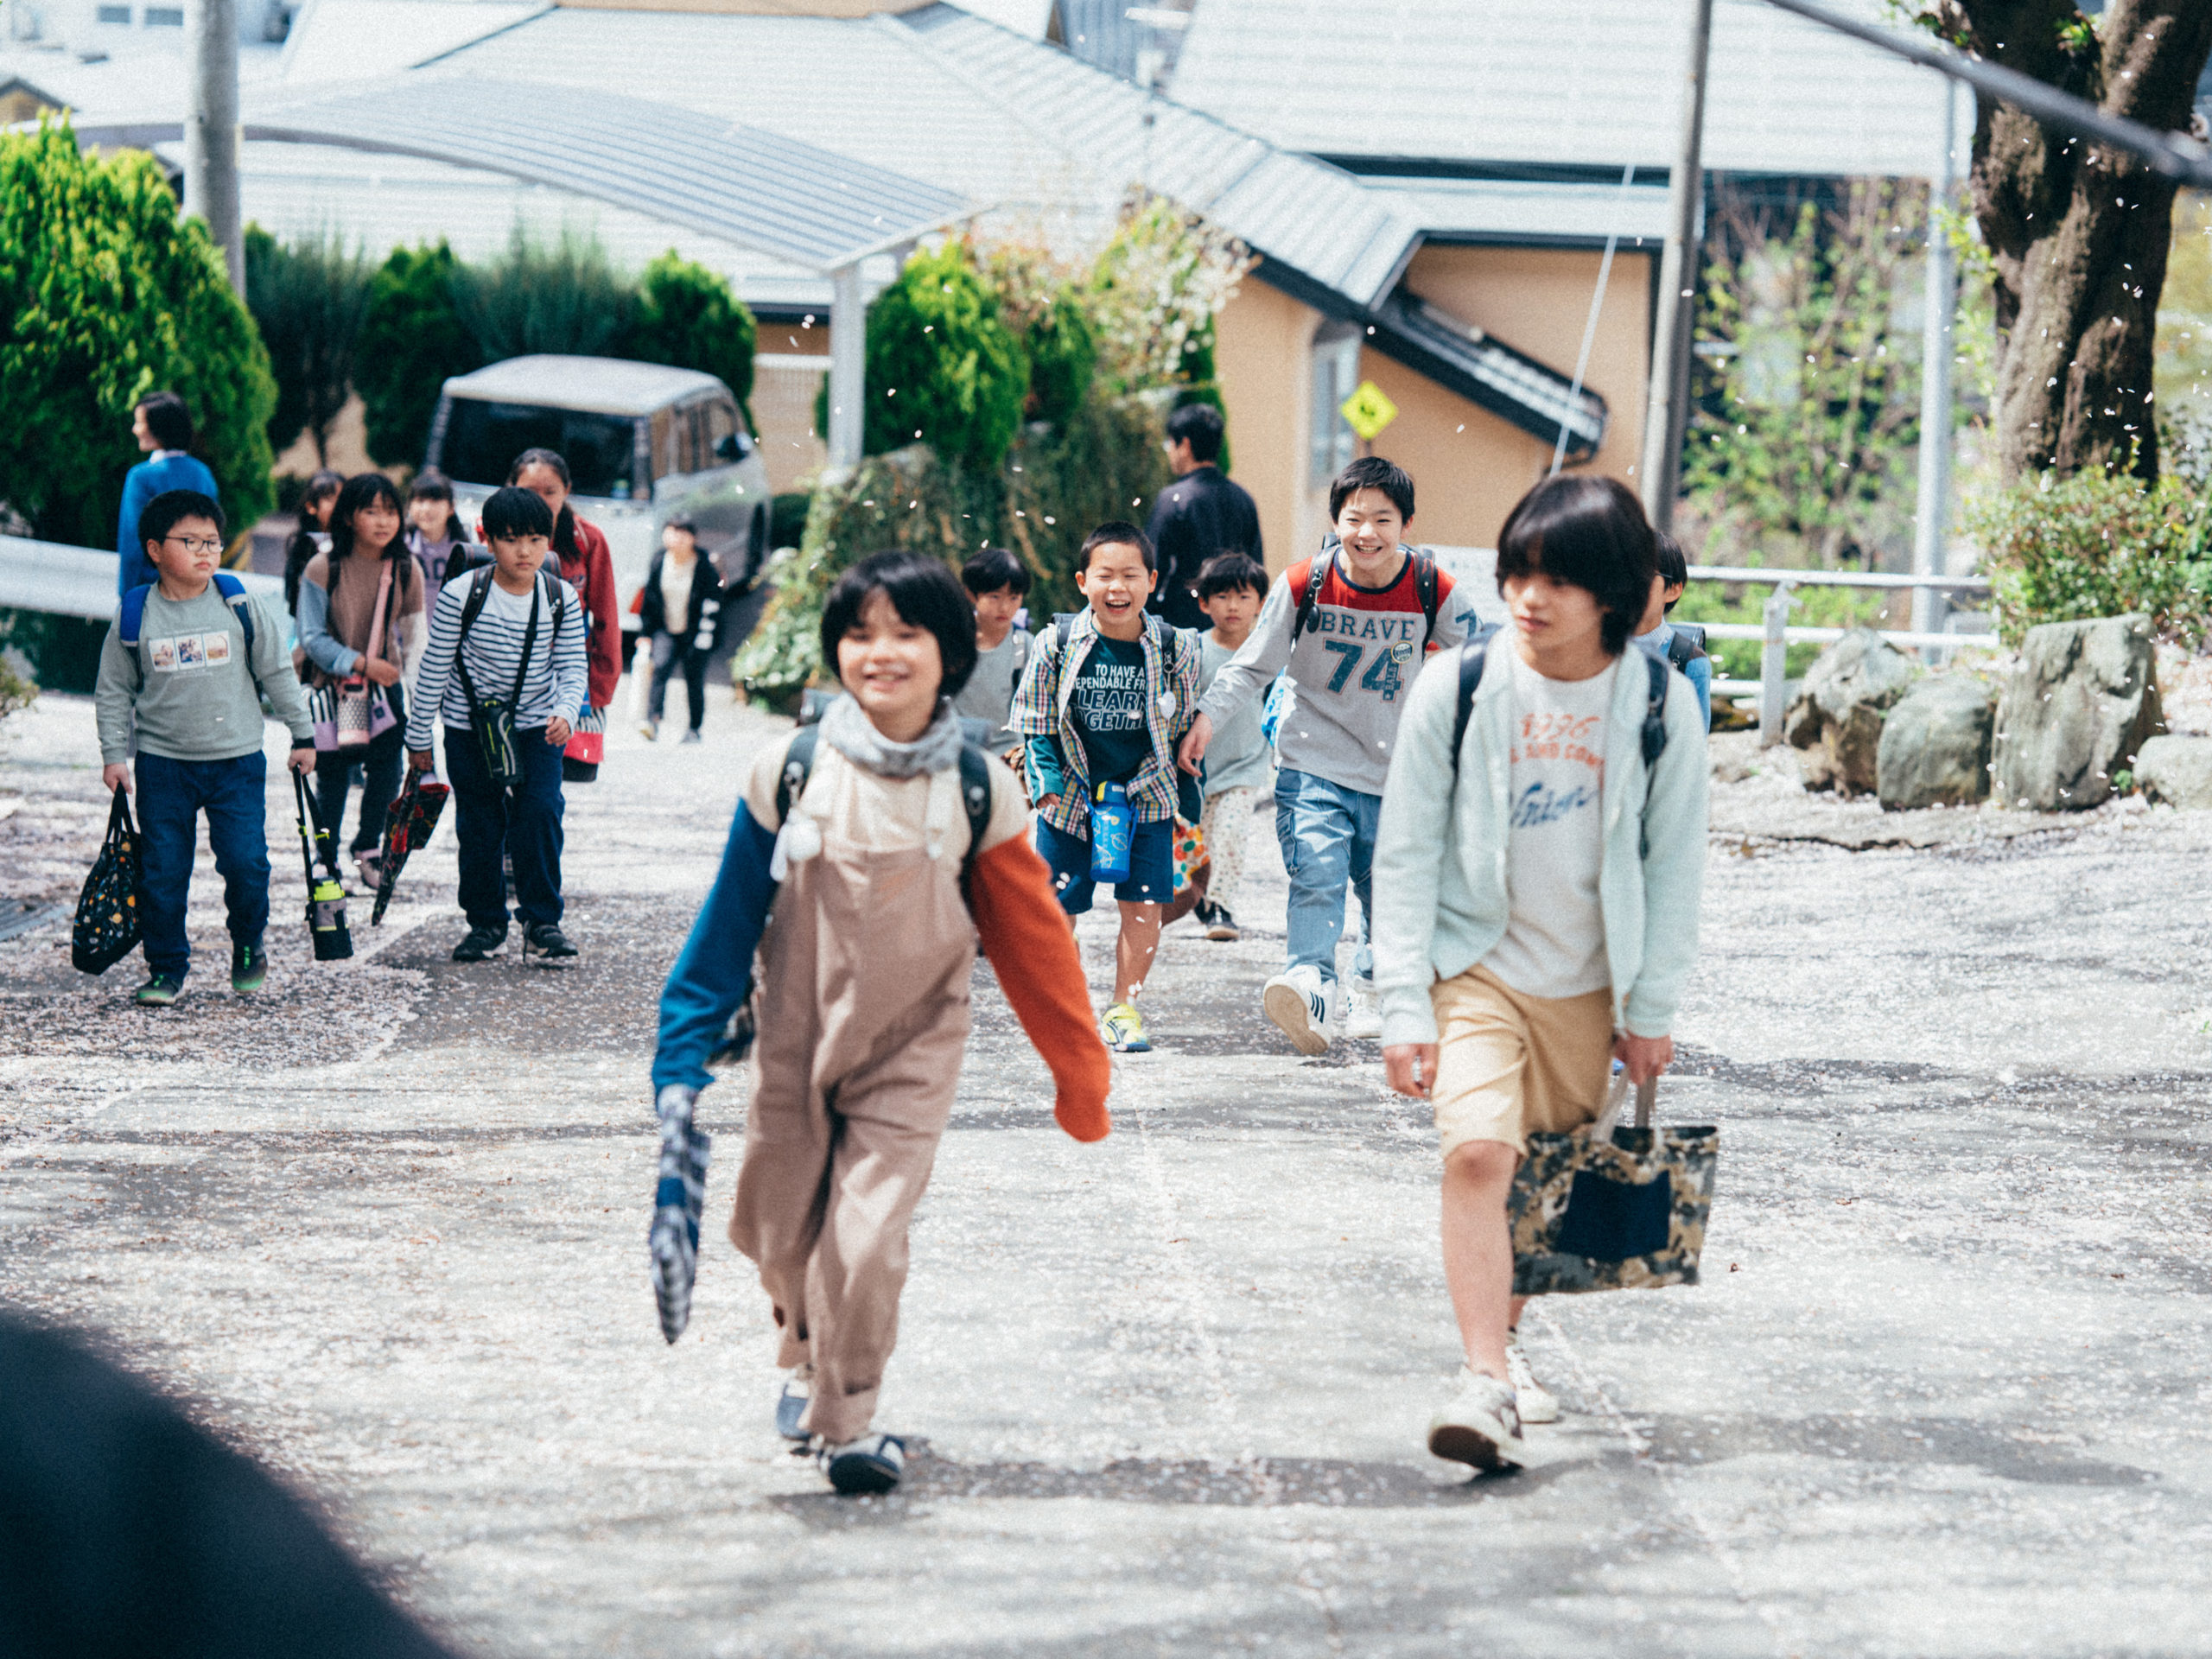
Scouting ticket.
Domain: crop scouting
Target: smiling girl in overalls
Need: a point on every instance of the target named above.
(880, 891)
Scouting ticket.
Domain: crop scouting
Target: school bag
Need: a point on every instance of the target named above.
(1686, 645)
(131, 615)
(494, 722)
(1425, 588)
(108, 922)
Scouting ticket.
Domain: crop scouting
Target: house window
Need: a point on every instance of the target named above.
(165, 16)
(1336, 376)
(115, 14)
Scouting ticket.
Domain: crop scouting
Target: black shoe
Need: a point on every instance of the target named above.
(547, 939)
(249, 968)
(480, 943)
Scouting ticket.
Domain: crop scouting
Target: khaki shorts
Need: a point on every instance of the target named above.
(1512, 1065)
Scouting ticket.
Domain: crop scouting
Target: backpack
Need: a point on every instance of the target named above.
(975, 787)
(1686, 645)
(1424, 587)
(131, 615)
(1476, 651)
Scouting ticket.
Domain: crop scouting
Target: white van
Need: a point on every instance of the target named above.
(643, 443)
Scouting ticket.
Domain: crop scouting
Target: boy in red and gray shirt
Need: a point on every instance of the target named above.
(1353, 626)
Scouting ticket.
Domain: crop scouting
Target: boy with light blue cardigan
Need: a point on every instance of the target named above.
(1536, 900)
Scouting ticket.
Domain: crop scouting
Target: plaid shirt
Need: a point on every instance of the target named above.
(1041, 710)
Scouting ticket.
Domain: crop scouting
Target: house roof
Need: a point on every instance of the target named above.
(1598, 84)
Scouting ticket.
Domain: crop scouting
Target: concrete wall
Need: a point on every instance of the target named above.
(1468, 466)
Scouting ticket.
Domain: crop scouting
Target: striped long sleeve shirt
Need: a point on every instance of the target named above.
(554, 684)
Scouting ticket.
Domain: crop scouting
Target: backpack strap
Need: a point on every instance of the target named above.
(234, 596)
(1316, 573)
(131, 616)
(1654, 744)
(975, 768)
(1473, 655)
(1424, 587)
(798, 766)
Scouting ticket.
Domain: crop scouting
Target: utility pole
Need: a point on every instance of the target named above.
(1667, 407)
(1931, 529)
(211, 127)
(848, 364)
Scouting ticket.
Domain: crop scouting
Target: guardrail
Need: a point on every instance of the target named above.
(65, 581)
(1777, 636)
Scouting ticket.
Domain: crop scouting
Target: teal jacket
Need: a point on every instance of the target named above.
(1441, 900)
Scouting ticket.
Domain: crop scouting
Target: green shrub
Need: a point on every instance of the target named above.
(1063, 355)
(691, 318)
(307, 298)
(106, 294)
(941, 365)
(2096, 544)
(18, 683)
(411, 340)
(566, 298)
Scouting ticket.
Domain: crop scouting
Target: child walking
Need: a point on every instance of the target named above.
(1231, 587)
(997, 584)
(505, 671)
(1350, 626)
(680, 613)
(1536, 901)
(1108, 693)
(1680, 644)
(866, 840)
(188, 657)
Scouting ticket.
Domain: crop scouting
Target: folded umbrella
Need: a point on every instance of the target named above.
(407, 823)
(679, 1196)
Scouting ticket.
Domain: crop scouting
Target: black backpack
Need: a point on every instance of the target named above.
(1424, 589)
(1686, 645)
(1476, 652)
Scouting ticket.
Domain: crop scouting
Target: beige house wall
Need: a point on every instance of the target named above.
(1468, 466)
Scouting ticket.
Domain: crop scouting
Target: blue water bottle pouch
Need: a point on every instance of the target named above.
(1113, 822)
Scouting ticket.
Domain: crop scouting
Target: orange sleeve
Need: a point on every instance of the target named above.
(1026, 936)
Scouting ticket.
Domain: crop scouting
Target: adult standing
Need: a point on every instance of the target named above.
(681, 614)
(589, 566)
(163, 428)
(361, 625)
(1203, 513)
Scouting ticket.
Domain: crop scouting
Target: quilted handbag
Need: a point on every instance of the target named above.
(108, 920)
(1611, 1207)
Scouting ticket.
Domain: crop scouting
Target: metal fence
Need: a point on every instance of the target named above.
(66, 581)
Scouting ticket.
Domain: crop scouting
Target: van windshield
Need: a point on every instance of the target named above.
(482, 440)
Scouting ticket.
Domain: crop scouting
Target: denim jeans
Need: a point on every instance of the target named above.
(1327, 834)
(171, 795)
(526, 821)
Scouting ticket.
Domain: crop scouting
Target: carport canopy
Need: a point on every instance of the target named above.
(810, 207)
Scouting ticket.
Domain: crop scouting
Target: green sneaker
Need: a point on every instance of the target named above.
(1123, 1030)
(249, 967)
(159, 990)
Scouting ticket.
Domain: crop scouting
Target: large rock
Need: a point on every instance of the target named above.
(1934, 744)
(2079, 703)
(2177, 771)
(1837, 714)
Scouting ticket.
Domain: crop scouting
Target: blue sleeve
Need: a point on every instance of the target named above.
(132, 569)
(715, 972)
(1046, 775)
(1700, 673)
(315, 638)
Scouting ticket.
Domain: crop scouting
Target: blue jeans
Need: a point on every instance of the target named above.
(526, 821)
(1327, 834)
(172, 794)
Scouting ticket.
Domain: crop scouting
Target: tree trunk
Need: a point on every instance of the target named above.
(2079, 230)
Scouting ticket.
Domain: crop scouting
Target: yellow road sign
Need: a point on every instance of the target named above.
(1368, 411)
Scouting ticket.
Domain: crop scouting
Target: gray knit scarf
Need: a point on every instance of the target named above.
(849, 732)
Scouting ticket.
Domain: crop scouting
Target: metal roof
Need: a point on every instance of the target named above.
(1598, 84)
(761, 190)
(614, 384)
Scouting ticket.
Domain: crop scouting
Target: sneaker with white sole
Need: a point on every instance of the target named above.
(1364, 1013)
(1537, 1404)
(1123, 1029)
(1220, 925)
(1299, 1002)
(863, 1467)
(1480, 1427)
(791, 1404)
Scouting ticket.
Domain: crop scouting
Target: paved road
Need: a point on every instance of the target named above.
(1943, 1393)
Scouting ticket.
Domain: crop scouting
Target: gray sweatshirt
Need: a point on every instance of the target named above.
(188, 682)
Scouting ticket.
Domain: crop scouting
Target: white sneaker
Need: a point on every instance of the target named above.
(1481, 1426)
(1299, 1001)
(1536, 1402)
(1364, 1013)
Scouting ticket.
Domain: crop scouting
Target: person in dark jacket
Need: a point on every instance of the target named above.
(681, 615)
(163, 428)
(1198, 516)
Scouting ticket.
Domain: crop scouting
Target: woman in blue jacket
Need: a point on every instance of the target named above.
(163, 430)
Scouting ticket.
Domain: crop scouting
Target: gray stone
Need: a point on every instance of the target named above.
(2080, 702)
(1934, 744)
(1836, 717)
(2177, 771)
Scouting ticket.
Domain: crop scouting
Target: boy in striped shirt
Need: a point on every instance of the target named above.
(512, 634)
(1353, 626)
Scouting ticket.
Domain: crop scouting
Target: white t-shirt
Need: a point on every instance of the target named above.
(1554, 942)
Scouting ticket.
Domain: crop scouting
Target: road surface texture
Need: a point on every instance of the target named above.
(1942, 1391)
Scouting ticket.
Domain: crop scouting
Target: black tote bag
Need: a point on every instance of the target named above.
(108, 919)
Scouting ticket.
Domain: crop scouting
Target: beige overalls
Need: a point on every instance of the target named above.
(862, 1015)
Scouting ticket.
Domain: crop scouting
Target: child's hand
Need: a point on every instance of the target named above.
(1410, 1068)
(421, 760)
(116, 776)
(1645, 1058)
(383, 673)
(302, 759)
(1194, 744)
(557, 732)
